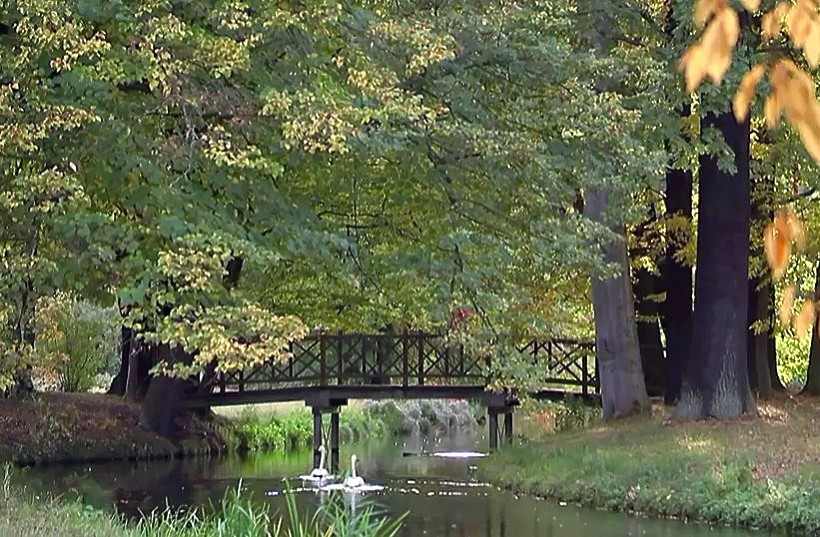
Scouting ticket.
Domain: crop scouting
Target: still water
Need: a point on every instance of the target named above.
(442, 496)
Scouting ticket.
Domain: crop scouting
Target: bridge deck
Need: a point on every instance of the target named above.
(341, 394)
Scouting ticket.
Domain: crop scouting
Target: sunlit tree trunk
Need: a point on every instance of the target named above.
(715, 379)
(623, 391)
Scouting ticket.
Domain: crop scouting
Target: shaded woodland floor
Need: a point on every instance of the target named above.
(757, 472)
(62, 427)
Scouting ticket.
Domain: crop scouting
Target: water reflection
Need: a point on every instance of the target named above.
(442, 496)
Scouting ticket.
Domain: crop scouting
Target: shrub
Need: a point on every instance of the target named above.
(75, 342)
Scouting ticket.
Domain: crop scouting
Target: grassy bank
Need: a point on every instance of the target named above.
(23, 515)
(758, 472)
(276, 429)
(61, 427)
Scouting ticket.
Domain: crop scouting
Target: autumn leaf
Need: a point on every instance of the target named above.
(751, 5)
(797, 232)
(787, 305)
(771, 21)
(812, 47)
(745, 92)
(705, 9)
(777, 249)
(772, 110)
(805, 319)
(712, 55)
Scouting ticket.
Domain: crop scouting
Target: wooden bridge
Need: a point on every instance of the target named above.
(327, 370)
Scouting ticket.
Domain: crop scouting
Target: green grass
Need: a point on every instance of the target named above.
(23, 515)
(252, 430)
(754, 473)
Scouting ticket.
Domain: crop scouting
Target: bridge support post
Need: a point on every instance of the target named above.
(508, 427)
(492, 419)
(334, 441)
(317, 436)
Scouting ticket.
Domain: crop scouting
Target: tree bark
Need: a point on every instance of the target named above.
(118, 382)
(715, 379)
(760, 379)
(677, 281)
(623, 391)
(165, 395)
(812, 386)
(649, 332)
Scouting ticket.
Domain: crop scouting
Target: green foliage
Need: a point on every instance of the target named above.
(792, 360)
(253, 431)
(75, 341)
(338, 150)
(234, 516)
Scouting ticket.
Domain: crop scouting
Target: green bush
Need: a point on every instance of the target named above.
(75, 341)
(294, 430)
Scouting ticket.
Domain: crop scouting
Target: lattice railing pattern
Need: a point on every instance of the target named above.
(405, 359)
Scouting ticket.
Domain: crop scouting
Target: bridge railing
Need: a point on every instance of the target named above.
(406, 359)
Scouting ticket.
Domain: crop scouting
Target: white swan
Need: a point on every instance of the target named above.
(319, 475)
(320, 472)
(353, 481)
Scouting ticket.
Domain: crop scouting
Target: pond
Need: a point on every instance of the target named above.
(442, 496)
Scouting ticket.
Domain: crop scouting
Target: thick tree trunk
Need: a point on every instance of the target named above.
(165, 395)
(716, 379)
(812, 386)
(677, 281)
(649, 332)
(623, 391)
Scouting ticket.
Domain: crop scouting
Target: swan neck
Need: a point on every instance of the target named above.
(322, 460)
(353, 467)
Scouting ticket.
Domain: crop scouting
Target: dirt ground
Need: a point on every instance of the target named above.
(62, 427)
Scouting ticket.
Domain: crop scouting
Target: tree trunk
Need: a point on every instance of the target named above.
(136, 360)
(812, 386)
(118, 382)
(649, 332)
(140, 361)
(760, 379)
(165, 395)
(623, 391)
(677, 281)
(716, 379)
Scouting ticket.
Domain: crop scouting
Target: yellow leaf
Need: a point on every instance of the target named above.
(778, 250)
(812, 46)
(772, 110)
(787, 305)
(745, 92)
(751, 5)
(810, 135)
(804, 321)
(797, 232)
(703, 10)
(730, 25)
(693, 65)
(771, 21)
(799, 24)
